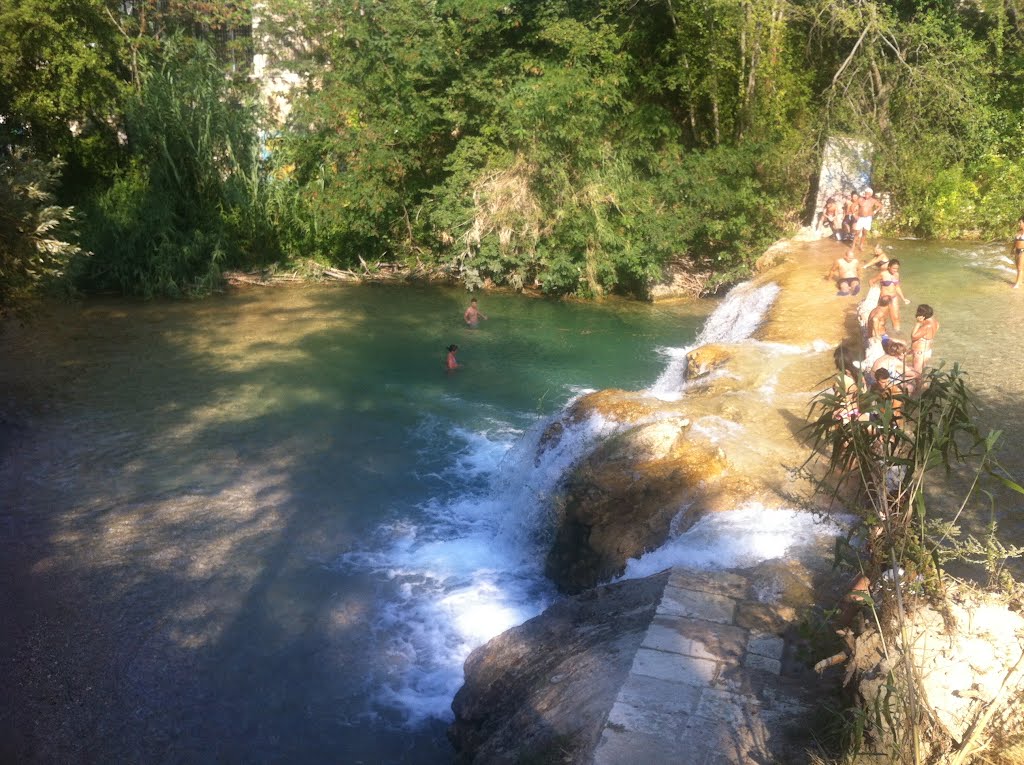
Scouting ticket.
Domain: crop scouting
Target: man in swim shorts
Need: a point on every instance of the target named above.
(850, 215)
(847, 268)
(866, 210)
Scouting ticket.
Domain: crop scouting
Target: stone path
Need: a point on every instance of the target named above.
(706, 686)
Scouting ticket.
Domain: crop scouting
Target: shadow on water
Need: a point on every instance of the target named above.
(189, 476)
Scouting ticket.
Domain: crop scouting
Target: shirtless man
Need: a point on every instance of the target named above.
(866, 210)
(923, 335)
(472, 315)
(878, 318)
(847, 268)
(850, 213)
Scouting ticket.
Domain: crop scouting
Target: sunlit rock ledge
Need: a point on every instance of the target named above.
(733, 437)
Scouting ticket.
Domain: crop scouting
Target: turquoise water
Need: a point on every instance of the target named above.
(290, 524)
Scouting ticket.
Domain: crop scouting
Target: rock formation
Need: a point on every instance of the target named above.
(541, 691)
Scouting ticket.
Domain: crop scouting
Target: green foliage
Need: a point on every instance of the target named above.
(884, 458)
(186, 203)
(61, 80)
(34, 232)
(578, 146)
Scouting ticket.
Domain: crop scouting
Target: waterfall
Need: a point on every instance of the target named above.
(736, 319)
(462, 568)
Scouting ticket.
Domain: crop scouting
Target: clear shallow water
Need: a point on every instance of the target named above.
(298, 525)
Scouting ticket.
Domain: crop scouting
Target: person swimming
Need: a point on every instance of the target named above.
(472, 314)
(451, 363)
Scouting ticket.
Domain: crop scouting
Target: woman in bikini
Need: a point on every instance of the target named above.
(922, 336)
(889, 284)
(1018, 253)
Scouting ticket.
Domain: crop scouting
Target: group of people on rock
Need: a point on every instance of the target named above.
(889, 365)
(850, 216)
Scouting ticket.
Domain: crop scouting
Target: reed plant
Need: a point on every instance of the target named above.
(880, 459)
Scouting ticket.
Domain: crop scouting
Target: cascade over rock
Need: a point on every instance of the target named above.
(621, 500)
(669, 464)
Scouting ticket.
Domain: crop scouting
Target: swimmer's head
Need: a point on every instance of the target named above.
(893, 263)
(473, 301)
(881, 373)
(925, 311)
(452, 348)
(896, 348)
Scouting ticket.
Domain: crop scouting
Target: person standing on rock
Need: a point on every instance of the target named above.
(923, 335)
(889, 285)
(1018, 253)
(877, 319)
(866, 210)
(850, 215)
(830, 217)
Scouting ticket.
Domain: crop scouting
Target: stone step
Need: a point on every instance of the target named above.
(705, 687)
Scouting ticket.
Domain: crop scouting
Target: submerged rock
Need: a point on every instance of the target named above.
(541, 691)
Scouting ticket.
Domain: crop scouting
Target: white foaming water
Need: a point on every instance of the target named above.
(735, 320)
(734, 539)
(469, 569)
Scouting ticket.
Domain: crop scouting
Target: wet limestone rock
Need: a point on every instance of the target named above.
(621, 500)
(541, 691)
(620, 405)
(705, 359)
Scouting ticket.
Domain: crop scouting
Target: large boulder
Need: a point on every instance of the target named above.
(621, 500)
(541, 691)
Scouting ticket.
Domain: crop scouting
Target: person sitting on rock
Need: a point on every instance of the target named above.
(847, 268)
